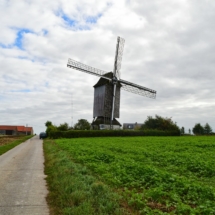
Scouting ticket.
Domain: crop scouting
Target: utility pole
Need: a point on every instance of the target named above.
(26, 129)
(72, 110)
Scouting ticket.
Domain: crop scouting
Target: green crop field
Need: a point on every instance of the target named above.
(151, 175)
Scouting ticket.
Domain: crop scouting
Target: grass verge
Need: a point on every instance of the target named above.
(7, 147)
(73, 189)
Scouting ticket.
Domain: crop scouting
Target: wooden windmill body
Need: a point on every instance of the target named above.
(107, 90)
(102, 105)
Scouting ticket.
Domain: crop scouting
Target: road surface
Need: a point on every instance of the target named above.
(22, 185)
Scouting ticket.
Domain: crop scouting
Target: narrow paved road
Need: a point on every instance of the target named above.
(22, 185)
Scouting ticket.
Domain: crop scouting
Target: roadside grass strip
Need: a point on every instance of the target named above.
(73, 189)
(13, 143)
(152, 175)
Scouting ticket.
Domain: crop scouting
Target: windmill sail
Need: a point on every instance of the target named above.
(116, 71)
(118, 57)
(137, 89)
(87, 69)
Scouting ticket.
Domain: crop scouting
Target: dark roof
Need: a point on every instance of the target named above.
(103, 81)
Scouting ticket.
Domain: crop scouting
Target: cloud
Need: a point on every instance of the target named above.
(169, 47)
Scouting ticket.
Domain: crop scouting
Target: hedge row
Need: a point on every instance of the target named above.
(109, 133)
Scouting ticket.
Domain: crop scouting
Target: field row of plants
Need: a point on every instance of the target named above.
(153, 175)
(73, 189)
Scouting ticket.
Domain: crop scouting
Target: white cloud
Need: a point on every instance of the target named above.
(169, 47)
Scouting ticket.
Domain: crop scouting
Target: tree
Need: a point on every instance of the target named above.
(207, 129)
(189, 131)
(160, 123)
(82, 124)
(48, 123)
(182, 130)
(63, 127)
(198, 129)
(50, 128)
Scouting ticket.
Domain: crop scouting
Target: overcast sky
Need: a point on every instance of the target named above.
(169, 47)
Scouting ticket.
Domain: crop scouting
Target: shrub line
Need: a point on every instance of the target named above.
(110, 133)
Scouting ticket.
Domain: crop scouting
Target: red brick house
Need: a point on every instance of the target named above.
(15, 130)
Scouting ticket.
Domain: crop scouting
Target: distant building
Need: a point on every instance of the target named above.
(132, 126)
(15, 130)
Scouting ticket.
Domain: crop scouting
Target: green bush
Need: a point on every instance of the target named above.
(160, 123)
(109, 133)
(51, 128)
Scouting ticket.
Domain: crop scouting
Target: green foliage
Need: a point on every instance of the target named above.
(55, 134)
(159, 123)
(154, 175)
(82, 124)
(63, 127)
(48, 123)
(198, 129)
(207, 129)
(182, 130)
(51, 128)
(73, 189)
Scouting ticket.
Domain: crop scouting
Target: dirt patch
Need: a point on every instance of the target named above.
(164, 208)
(4, 140)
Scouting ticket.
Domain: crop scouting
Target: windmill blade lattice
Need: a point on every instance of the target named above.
(137, 89)
(118, 56)
(84, 68)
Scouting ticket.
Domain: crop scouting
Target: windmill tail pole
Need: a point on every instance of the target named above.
(113, 102)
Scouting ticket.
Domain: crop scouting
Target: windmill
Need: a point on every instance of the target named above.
(107, 89)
